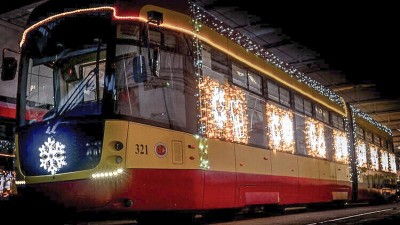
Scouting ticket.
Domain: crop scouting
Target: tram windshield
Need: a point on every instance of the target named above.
(63, 68)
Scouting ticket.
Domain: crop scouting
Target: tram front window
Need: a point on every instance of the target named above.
(64, 69)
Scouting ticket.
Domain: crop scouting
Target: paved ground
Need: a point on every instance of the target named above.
(353, 214)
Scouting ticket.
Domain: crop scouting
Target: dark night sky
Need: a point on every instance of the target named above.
(357, 38)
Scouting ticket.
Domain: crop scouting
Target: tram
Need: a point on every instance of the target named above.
(141, 106)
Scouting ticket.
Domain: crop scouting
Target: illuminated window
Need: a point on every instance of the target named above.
(340, 146)
(223, 111)
(384, 160)
(257, 120)
(361, 151)
(315, 138)
(280, 129)
(374, 158)
(392, 163)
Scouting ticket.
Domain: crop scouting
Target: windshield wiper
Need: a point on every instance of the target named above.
(78, 92)
(75, 97)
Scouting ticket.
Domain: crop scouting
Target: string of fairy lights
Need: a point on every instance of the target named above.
(384, 160)
(219, 26)
(374, 159)
(315, 138)
(368, 118)
(361, 154)
(224, 111)
(281, 136)
(280, 129)
(340, 146)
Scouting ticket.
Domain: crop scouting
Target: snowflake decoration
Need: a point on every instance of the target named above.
(52, 155)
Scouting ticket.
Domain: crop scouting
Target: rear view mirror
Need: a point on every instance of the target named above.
(9, 66)
(139, 69)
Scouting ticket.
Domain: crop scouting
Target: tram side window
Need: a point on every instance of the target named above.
(239, 75)
(169, 99)
(257, 122)
(300, 134)
(298, 103)
(215, 64)
(383, 143)
(255, 84)
(328, 143)
(318, 112)
(307, 108)
(341, 122)
(273, 91)
(360, 132)
(284, 96)
(368, 136)
(325, 115)
(377, 140)
(390, 146)
(335, 121)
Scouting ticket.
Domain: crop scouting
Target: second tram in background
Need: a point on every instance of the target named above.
(151, 106)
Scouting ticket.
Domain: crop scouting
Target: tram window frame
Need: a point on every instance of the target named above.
(368, 136)
(253, 88)
(341, 122)
(284, 99)
(376, 140)
(318, 110)
(210, 68)
(298, 103)
(308, 110)
(275, 93)
(325, 116)
(239, 75)
(383, 143)
(220, 62)
(390, 146)
(250, 81)
(360, 132)
(272, 91)
(334, 120)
